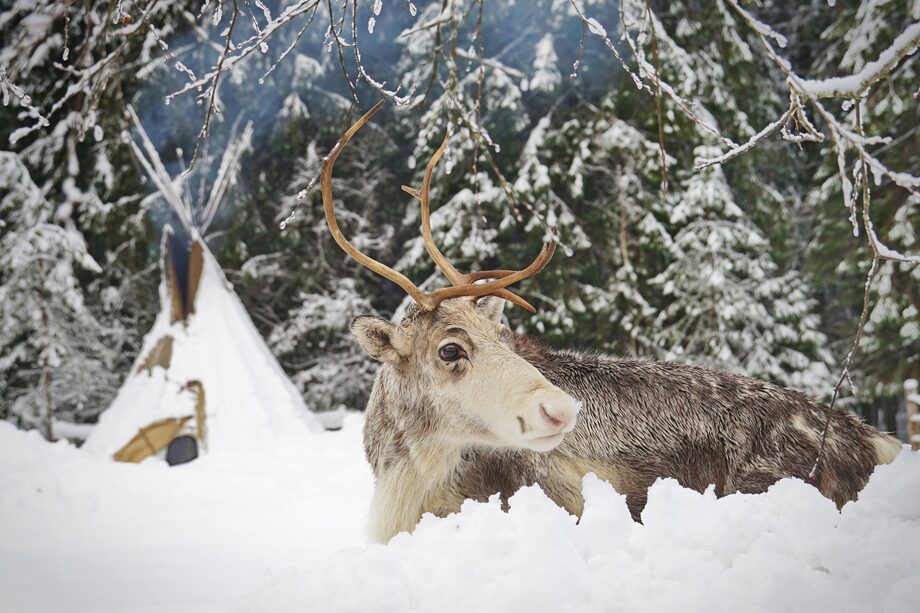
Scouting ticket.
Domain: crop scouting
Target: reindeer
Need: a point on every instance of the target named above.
(463, 407)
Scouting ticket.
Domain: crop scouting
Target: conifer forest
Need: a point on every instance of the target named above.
(458, 306)
(731, 183)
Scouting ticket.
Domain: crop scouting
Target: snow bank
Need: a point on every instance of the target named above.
(787, 550)
(81, 533)
(284, 531)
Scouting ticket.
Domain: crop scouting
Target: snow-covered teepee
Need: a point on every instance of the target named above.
(205, 381)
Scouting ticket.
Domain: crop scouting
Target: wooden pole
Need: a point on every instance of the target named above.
(912, 400)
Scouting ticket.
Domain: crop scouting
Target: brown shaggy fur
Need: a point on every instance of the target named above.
(640, 420)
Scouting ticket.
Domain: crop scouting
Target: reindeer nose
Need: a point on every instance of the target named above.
(554, 418)
(557, 410)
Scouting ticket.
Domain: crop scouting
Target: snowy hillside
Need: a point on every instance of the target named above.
(282, 530)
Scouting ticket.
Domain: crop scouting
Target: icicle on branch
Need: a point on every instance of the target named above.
(363, 75)
(244, 48)
(211, 95)
(10, 90)
(843, 137)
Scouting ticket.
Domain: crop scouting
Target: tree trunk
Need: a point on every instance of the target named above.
(48, 417)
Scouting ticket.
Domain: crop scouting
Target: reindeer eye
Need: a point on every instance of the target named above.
(451, 352)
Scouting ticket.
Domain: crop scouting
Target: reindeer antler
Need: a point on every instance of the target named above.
(456, 277)
(463, 285)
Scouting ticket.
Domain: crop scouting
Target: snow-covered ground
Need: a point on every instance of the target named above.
(283, 531)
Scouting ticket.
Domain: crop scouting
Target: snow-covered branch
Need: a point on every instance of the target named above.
(10, 90)
(750, 144)
(647, 68)
(855, 85)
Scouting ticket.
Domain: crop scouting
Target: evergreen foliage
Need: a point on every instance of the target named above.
(750, 266)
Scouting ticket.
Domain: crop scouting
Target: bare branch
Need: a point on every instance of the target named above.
(212, 96)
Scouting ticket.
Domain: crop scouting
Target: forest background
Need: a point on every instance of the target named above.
(589, 121)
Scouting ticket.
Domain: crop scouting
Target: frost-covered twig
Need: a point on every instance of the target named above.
(340, 45)
(843, 136)
(179, 64)
(702, 163)
(434, 23)
(7, 89)
(492, 63)
(905, 44)
(212, 94)
(645, 67)
(290, 47)
(380, 87)
(244, 48)
(90, 75)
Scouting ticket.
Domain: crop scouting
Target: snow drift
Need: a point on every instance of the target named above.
(283, 531)
(786, 550)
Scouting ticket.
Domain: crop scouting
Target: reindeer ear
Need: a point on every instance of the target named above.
(381, 339)
(491, 308)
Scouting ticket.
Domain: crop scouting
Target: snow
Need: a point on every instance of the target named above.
(596, 28)
(904, 44)
(70, 430)
(546, 74)
(282, 529)
(80, 533)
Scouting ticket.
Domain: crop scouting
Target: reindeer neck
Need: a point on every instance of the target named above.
(411, 458)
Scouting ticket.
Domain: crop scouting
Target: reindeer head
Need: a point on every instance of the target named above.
(451, 351)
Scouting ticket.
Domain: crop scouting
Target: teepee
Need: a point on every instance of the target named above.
(205, 381)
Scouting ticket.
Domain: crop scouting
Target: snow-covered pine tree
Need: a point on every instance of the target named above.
(316, 347)
(726, 300)
(315, 291)
(838, 261)
(54, 363)
(69, 60)
(730, 306)
(596, 179)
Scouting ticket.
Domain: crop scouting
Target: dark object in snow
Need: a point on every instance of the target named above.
(181, 450)
(331, 420)
(151, 438)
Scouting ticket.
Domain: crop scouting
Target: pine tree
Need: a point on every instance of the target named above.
(839, 256)
(599, 187)
(53, 358)
(320, 289)
(730, 307)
